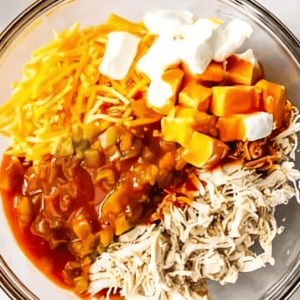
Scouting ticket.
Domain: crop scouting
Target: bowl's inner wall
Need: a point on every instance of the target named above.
(279, 67)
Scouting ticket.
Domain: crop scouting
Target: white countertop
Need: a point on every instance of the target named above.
(286, 10)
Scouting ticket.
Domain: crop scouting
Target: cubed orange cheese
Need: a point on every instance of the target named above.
(274, 100)
(204, 151)
(214, 72)
(240, 71)
(231, 128)
(228, 100)
(250, 127)
(175, 130)
(198, 120)
(195, 96)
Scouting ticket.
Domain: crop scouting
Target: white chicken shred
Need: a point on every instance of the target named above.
(210, 239)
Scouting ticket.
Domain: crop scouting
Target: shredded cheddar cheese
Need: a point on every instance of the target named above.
(62, 87)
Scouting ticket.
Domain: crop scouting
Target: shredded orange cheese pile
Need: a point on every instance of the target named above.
(62, 89)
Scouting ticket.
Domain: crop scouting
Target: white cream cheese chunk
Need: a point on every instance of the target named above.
(197, 47)
(160, 57)
(160, 96)
(120, 52)
(162, 92)
(170, 22)
(231, 39)
(258, 125)
(197, 56)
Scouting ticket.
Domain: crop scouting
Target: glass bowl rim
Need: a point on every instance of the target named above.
(287, 286)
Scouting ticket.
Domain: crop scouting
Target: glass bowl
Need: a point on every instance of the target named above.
(274, 45)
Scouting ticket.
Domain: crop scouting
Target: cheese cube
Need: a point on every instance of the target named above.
(243, 68)
(274, 100)
(204, 151)
(196, 96)
(198, 120)
(228, 100)
(250, 127)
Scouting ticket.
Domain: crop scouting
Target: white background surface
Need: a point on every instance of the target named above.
(286, 10)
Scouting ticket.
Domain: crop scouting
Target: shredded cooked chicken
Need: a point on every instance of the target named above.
(210, 239)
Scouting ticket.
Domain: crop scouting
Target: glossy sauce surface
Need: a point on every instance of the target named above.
(56, 212)
(48, 261)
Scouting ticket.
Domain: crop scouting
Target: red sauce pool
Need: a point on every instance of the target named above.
(49, 262)
(76, 181)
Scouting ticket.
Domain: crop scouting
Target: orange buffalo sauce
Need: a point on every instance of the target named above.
(55, 213)
(49, 261)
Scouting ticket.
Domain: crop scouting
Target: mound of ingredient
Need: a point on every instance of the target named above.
(210, 239)
(147, 157)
